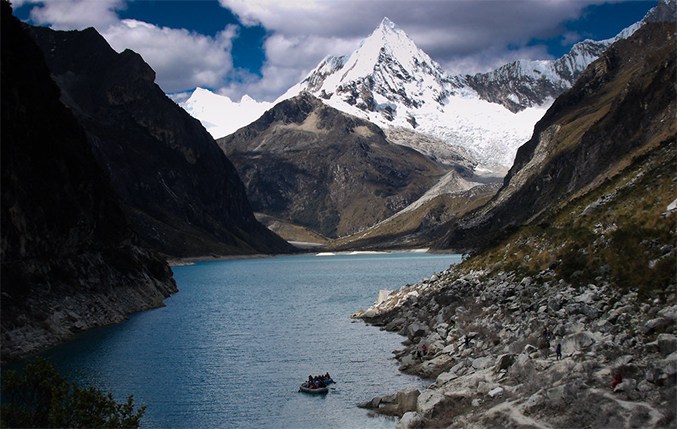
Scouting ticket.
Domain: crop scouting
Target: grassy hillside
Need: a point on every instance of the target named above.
(622, 231)
(623, 106)
(417, 227)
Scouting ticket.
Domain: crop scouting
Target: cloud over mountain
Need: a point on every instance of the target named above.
(461, 35)
(182, 59)
(74, 14)
(467, 36)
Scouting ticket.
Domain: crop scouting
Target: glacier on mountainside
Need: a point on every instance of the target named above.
(220, 115)
(391, 82)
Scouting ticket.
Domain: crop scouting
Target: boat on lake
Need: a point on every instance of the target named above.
(317, 384)
(305, 388)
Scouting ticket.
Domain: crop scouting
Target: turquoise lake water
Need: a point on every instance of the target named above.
(231, 348)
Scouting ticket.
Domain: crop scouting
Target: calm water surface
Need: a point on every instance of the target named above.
(231, 348)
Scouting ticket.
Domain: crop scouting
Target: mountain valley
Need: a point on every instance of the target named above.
(552, 182)
(312, 165)
(565, 303)
(472, 124)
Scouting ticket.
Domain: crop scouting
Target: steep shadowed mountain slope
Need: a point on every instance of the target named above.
(621, 108)
(179, 191)
(69, 258)
(309, 164)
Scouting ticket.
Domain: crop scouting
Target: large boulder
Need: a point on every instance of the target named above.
(664, 371)
(658, 324)
(504, 361)
(409, 420)
(433, 367)
(496, 392)
(667, 344)
(393, 405)
(482, 362)
(429, 402)
(577, 342)
(669, 313)
(434, 343)
(407, 399)
(445, 377)
(523, 369)
(417, 330)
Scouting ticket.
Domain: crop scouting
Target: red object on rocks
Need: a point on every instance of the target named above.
(617, 380)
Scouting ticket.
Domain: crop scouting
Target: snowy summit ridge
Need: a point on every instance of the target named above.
(389, 81)
(220, 115)
(387, 70)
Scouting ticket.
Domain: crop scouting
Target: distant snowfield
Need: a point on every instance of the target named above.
(220, 115)
(489, 132)
(392, 83)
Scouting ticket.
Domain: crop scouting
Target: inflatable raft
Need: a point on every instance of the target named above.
(313, 390)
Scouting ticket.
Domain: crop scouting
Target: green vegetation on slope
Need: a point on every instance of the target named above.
(619, 232)
(39, 397)
(417, 227)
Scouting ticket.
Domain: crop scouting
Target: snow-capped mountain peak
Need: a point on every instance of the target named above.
(387, 25)
(387, 69)
(391, 82)
(219, 114)
(387, 42)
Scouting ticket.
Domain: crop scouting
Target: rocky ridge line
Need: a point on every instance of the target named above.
(182, 196)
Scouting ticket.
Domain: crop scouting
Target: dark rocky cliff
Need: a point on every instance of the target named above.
(622, 106)
(181, 194)
(315, 166)
(69, 259)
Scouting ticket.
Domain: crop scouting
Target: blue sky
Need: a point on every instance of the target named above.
(204, 17)
(262, 47)
(598, 22)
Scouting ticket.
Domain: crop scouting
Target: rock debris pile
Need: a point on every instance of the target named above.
(490, 342)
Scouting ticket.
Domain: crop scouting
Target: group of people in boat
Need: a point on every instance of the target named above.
(318, 381)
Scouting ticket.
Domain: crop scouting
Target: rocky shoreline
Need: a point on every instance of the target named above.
(192, 260)
(57, 312)
(488, 341)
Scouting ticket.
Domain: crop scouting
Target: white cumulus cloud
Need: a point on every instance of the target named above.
(75, 14)
(462, 35)
(288, 59)
(181, 59)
